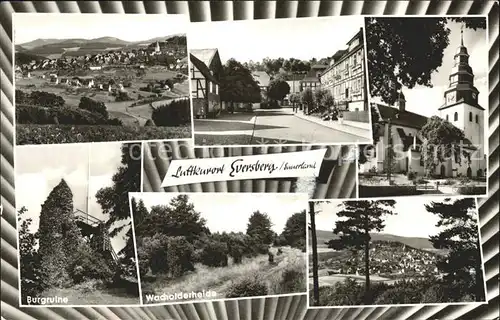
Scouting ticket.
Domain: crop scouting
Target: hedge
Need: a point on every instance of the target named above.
(470, 190)
(27, 114)
(386, 191)
(50, 134)
(177, 112)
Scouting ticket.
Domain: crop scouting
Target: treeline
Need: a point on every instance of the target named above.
(273, 66)
(175, 113)
(39, 107)
(173, 238)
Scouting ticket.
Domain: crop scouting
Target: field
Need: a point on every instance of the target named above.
(221, 280)
(49, 134)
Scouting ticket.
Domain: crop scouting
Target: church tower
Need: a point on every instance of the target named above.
(461, 107)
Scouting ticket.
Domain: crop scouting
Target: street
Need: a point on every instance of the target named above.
(266, 127)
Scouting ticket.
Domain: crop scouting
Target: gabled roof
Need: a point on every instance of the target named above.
(403, 118)
(205, 71)
(204, 55)
(262, 78)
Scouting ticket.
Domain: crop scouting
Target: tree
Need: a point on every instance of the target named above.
(238, 84)
(307, 99)
(93, 106)
(394, 61)
(259, 226)
(328, 101)
(295, 229)
(114, 200)
(377, 132)
(314, 244)
(441, 141)
(294, 98)
(178, 218)
(278, 89)
(29, 259)
(361, 218)
(460, 236)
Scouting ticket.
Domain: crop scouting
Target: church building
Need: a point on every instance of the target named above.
(460, 108)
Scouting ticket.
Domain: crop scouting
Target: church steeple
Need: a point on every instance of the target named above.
(461, 79)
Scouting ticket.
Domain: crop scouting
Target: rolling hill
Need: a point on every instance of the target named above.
(414, 242)
(47, 47)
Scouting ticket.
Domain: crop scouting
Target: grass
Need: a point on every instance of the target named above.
(90, 294)
(55, 134)
(221, 280)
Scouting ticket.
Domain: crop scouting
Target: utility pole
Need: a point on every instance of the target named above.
(312, 214)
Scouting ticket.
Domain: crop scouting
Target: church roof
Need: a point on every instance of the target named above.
(402, 118)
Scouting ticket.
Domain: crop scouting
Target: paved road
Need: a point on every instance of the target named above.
(274, 126)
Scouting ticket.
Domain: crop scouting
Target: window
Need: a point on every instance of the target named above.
(455, 117)
(477, 118)
(216, 89)
(470, 116)
(447, 118)
(347, 92)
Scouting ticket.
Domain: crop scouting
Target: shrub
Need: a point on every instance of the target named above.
(280, 252)
(270, 257)
(470, 190)
(247, 287)
(27, 114)
(349, 292)
(292, 280)
(374, 170)
(214, 254)
(422, 181)
(122, 96)
(88, 265)
(301, 245)
(93, 106)
(463, 180)
(173, 114)
(179, 256)
(384, 191)
(39, 98)
(411, 175)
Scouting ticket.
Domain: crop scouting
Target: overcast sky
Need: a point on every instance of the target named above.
(302, 38)
(128, 27)
(230, 212)
(411, 220)
(85, 167)
(426, 101)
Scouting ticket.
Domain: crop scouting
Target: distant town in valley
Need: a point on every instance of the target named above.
(106, 82)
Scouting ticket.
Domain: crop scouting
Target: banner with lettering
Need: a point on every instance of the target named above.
(276, 165)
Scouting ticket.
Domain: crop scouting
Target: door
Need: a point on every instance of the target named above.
(442, 171)
(469, 172)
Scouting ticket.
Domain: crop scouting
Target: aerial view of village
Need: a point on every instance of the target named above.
(377, 252)
(103, 83)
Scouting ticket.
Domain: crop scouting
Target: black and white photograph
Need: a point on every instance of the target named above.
(265, 82)
(76, 245)
(204, 246)
(94, 78)
(394, 252)
(428, 81)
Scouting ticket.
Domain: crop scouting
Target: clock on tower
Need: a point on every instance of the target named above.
(451, 97)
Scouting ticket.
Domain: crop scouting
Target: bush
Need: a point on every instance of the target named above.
(463, 180)
(49, 134)
(346, 293)
(301, 245)
(166, 255)
(422, 181)
(214, 253)
(292, 281)
(122, 96)
(280, 252)
(247, 287)
(89, 265)
(270, 257)
(93, 106)
(173, 114)
(449, 182)
(385, 191)
(411, 175)
(39, 98)
(26, 114)
(470, 190)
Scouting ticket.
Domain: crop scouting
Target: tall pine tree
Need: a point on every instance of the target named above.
(259, 226)
(460, 236)
(356, 220)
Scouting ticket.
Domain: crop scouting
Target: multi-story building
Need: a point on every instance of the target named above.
(312, 78)
(205, 71)
(345, 77)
